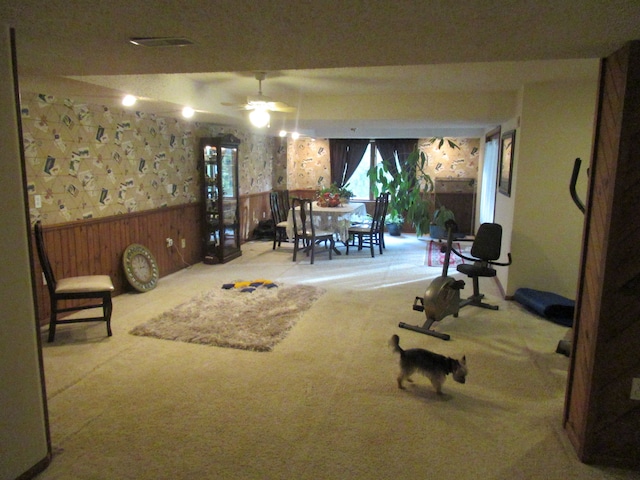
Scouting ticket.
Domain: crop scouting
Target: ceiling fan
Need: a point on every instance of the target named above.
(260, 105)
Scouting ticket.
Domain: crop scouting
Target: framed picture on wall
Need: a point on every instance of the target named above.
(506, 162)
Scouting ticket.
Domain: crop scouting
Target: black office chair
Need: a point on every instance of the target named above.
(86, 287)
(485, 251)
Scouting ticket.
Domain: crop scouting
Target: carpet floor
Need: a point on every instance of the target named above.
(324, 403)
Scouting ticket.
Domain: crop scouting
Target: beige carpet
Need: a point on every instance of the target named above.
(324, 404)
(249, 317)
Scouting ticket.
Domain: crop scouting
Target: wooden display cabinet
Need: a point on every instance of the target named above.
(221, 214)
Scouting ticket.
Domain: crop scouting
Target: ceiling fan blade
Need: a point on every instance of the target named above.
(238, 106)
(281, 107)
(261, 101)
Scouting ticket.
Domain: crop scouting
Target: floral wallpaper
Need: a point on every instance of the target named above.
(308, 161)
(452, 163)
(308, 165)
(280, 165)
(87, 161)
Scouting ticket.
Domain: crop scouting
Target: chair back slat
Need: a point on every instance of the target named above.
(44, 260)
(279, 203)
(283, 203)
(275, 208)
(380, 211)
(303, 217)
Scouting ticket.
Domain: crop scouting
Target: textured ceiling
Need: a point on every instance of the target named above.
(352, 68)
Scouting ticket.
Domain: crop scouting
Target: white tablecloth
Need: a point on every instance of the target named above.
(333, 219)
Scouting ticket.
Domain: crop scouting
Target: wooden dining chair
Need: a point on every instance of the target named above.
(284, 203)
(86, 287)
(279, 212)
(370, 234)
(306, 237)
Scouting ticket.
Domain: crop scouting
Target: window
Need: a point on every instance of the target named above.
(359, 181)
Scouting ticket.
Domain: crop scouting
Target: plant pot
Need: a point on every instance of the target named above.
(437, 232)
(394, 229)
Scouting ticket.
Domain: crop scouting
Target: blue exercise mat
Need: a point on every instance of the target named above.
(552, 306)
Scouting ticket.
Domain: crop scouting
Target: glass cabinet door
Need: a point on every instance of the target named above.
(221, 214)
(231, 240)
(211, 193)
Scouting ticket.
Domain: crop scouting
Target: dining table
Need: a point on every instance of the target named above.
(334, 219)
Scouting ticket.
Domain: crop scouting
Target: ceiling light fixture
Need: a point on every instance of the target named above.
(160, 41)
(293, 135)
(187, 112)
(129, 100)
(259, 117)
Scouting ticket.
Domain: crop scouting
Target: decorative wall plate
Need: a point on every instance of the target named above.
(140, 267)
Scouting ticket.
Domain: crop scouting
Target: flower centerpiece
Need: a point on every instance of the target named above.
(333, 195)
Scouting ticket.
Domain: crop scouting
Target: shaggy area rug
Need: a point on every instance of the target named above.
(248, 320)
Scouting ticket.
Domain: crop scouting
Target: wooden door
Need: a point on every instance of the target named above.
(600, 418)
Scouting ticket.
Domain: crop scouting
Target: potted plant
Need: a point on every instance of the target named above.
(333, 195)
(394, 222)
(345, 193)
(409, 188)
(437, 228)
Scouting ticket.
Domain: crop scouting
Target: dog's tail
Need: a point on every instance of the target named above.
(394, 343)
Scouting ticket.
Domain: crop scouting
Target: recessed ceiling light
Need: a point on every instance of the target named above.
(128, 100)
(160, 41)
(187, 112)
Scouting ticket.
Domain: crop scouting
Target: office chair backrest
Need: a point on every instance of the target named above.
(488, 242)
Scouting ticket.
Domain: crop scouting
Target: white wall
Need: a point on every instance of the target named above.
(555, 125)
(23, 431)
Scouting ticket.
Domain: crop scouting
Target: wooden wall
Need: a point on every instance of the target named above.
(91, 247)
(601, 420)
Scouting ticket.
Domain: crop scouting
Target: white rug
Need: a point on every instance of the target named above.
(249, 320)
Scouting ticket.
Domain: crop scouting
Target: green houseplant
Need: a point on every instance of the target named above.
(394, 222)
(408, 188)
(437, 228)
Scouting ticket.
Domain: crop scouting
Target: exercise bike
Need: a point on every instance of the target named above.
(564, 345)
(442, 297)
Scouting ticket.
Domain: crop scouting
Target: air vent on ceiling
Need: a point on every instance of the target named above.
(161, 41)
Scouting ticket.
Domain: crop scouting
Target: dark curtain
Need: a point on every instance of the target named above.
(404, 149)
(393, 148)
(345, 156)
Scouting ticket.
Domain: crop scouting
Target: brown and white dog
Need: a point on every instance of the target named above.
(434, 366)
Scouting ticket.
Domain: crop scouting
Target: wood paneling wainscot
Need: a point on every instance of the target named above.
(96, 246)
(91, 247)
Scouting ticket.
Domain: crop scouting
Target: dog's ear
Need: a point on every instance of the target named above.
(464, 360)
